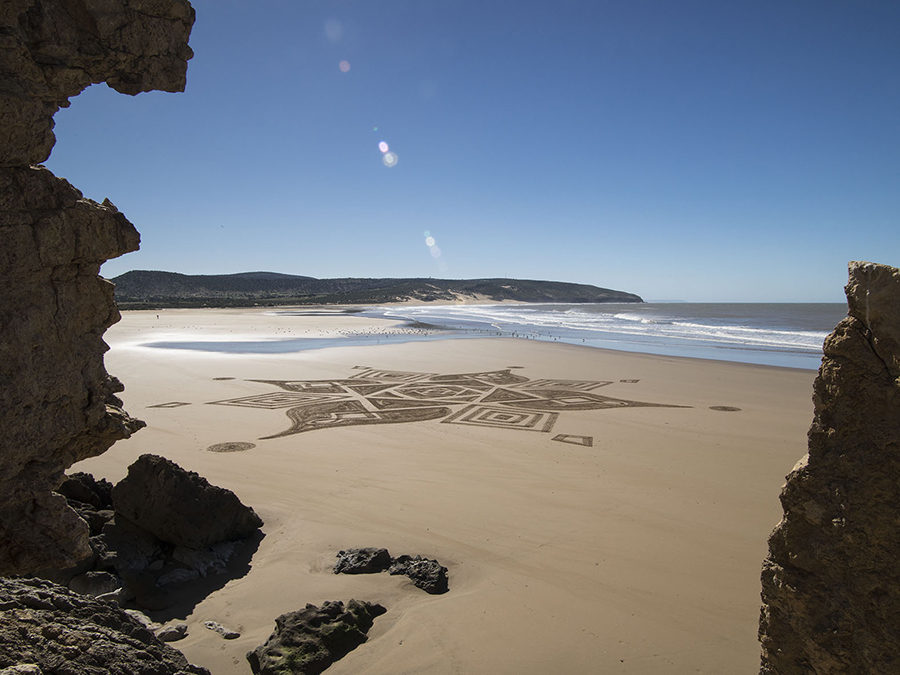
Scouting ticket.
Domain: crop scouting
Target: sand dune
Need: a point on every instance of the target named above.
(637, 554)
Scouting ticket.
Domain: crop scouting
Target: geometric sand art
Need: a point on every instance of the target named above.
(499, 399)
(586, 441)
(170, 404)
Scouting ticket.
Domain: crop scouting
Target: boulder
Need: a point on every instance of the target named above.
(362, 561)
(831, 582)
(429, 575)
(181, 507)
(309, 640)
(58, 631)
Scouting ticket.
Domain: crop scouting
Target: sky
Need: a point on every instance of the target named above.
(695, 150)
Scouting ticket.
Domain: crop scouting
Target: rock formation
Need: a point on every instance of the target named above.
(831, 582)
(167, 530)
(429, 575)
(58, 631)
(57, 403)
(309, 640)
(181, 507)
(362, 561)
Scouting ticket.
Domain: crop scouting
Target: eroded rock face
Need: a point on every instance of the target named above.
(57, 403)
(58, 631)
(309, 640)
(831, 582)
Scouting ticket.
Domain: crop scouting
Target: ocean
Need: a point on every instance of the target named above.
(776, 334)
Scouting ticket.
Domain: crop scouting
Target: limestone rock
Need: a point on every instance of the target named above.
(429, 575)
(181, 507)
(831, 582)
(362, 561)
(311, 639)
(59, 631)
(57, 403)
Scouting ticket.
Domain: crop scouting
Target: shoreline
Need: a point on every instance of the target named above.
(608, 556)
(222, 338)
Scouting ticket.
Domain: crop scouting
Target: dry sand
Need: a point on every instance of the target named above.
(640, 554)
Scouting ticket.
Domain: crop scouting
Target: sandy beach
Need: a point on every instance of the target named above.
(618, 527)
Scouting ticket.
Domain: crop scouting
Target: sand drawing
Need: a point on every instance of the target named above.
(724, 408)
(498, 399)
(170, 404)
(586, 441)
(232, 446)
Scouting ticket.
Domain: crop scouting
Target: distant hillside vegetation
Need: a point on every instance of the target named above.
(142, 289)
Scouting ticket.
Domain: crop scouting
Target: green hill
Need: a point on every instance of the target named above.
(143, 289)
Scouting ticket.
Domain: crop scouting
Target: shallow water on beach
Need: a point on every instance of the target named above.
(778, 334)
(775, 334)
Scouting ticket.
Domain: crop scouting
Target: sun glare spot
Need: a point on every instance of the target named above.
(383, 147)
(389, 159)
(344, 66)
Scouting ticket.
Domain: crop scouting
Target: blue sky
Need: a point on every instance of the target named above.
(704, 151)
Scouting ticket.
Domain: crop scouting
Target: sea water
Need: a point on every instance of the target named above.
(775, 334)
(778, 334)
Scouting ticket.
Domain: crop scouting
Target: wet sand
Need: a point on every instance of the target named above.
(638, 553)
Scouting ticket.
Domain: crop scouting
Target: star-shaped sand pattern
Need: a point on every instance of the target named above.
(498, 399)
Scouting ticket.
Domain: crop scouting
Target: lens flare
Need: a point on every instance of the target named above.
(344, 66)
(435, 252)
(429, 241)
(389, 159)
(383, 147)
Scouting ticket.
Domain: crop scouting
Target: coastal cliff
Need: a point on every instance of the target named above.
(831, 583)
(57, 402)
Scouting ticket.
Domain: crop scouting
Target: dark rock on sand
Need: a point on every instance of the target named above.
(362, 561)
(309, 640)
(831, 582)
(429, 575)
(153, 570)
(181, 507)
(60, 631)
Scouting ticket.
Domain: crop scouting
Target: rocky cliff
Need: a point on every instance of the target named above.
(57, 403)
(831, 582)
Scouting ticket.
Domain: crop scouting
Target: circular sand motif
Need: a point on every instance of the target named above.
(234, 446)
(724, 408)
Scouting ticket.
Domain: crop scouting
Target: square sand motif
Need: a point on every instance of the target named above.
(503, 418)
